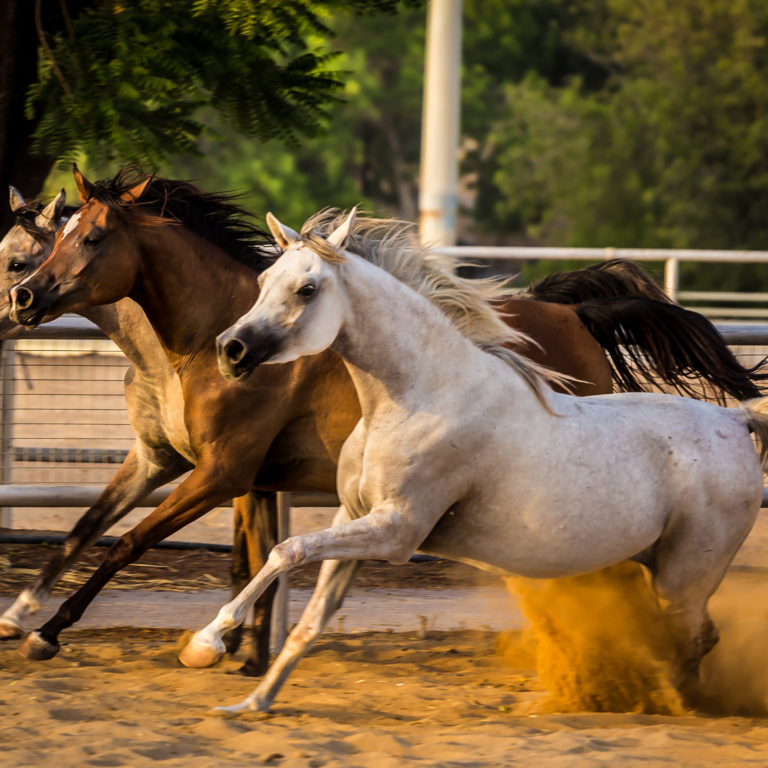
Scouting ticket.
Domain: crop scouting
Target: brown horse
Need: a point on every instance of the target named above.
(162, 244)
(161, 452)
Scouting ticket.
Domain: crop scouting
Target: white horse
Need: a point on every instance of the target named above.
(472, 456)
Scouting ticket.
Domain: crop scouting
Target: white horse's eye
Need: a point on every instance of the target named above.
(307, 290)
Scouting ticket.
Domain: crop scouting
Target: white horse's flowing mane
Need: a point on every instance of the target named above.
(393, 245)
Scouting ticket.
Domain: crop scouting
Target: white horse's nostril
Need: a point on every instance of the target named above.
(235, 350)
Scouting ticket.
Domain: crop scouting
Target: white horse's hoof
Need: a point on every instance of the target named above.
(36, 648)
(198, 654)
(246, 705)
(10, 629)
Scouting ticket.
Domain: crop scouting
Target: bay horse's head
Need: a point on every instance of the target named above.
(94, 259)
(300, 307)
(26, 246)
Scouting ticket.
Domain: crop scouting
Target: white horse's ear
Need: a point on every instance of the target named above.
(17, 199)
(48, 218)
(283, 235)
(339, 236)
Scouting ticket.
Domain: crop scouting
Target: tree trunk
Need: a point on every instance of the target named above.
(18, 70)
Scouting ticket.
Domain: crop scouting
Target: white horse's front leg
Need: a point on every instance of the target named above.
(332, 585)
(382, 534)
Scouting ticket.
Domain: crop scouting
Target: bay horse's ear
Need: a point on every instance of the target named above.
(17, 199)
(283, 235)
(84, 187)
(135, 192)
(48, 218)
(339, 236)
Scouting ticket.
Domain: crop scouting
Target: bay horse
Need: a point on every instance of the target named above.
(465, 452)
(161, 452)
(169, 248)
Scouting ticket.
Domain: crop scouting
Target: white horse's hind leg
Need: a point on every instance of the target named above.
(332, 586)
(691, 560)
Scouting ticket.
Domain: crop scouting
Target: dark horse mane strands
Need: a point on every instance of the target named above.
(26, 217)
(215, 217)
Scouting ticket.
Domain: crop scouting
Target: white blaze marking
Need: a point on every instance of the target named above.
(71, 224)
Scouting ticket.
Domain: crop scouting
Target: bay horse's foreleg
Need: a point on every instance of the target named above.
(205, 488)
(142, 471)
(255, 535)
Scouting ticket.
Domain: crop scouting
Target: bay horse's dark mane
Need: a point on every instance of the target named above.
(216, 217)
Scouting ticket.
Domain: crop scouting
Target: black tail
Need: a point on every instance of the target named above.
(666, 344)
(611, 279)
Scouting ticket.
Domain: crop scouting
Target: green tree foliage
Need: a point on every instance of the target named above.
(127, 79)
(369, 153)
(671, 152)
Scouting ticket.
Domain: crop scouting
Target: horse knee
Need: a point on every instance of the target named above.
(286, 555)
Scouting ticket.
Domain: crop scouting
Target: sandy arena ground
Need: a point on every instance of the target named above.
(117, 697)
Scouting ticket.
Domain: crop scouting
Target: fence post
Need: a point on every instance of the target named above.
(7, 388)
(672, 277)
(280, 611)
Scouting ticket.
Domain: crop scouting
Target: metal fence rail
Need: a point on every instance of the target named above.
(25, 423)
(22, 456)
(671, 259)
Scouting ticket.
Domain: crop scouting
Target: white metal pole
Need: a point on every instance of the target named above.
(672, 277)
(438, 185)
(280, 608)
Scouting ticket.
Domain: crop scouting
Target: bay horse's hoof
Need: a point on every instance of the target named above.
(36, 648)
(198, 653)
(253, 668)
(10, 630)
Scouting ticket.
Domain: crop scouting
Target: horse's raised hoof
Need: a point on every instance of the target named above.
(37, 648)
(10, 630)
(198, 654)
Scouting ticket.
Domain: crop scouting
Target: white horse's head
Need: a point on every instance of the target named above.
(300, 308)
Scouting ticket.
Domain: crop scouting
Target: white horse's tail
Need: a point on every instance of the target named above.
(757, 420)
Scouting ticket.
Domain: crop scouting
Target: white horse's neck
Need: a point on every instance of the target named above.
(397, 345)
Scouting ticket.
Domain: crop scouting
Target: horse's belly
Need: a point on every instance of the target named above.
(564, 541)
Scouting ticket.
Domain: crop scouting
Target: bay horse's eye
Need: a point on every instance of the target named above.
(17, 266)
(307, 290)
(93, 239)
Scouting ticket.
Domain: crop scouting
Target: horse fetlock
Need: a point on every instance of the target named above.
(10, 629)
(37, 648)
(227, 619)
